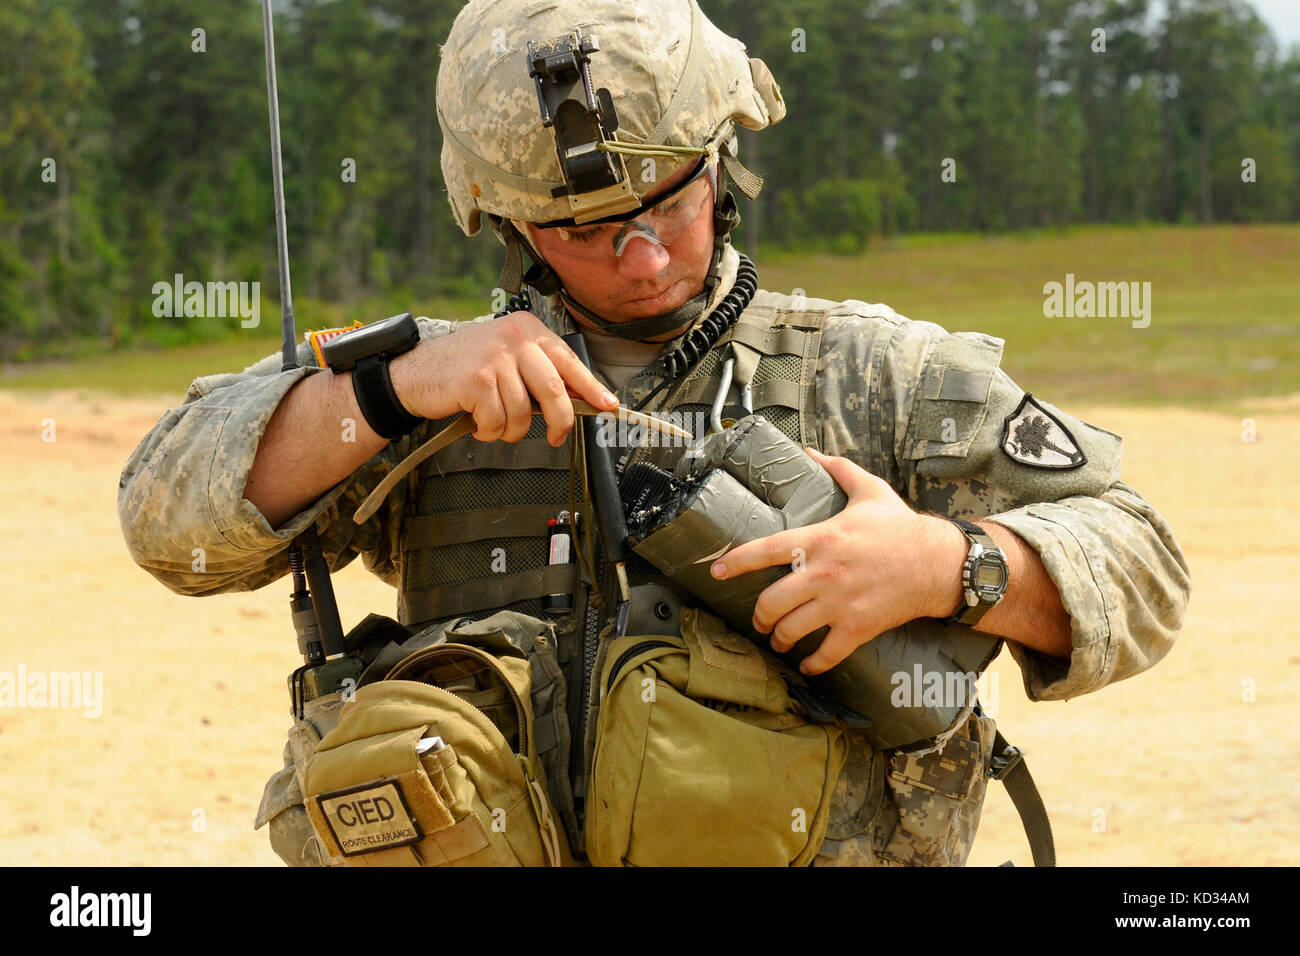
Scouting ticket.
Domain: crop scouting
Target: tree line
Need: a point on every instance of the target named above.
(134, 144)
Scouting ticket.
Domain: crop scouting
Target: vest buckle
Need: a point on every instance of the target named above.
(1003, 763)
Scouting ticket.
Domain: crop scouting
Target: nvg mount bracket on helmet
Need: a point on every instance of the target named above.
(595, 180)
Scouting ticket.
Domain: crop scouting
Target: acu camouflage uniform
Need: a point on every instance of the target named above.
(919, 407)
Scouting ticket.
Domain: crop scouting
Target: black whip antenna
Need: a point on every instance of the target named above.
(315, 612)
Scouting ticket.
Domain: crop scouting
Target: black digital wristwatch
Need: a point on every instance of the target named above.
(984, 576)
(366, 352)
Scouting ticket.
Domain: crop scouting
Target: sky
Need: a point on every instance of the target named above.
(1283, 16)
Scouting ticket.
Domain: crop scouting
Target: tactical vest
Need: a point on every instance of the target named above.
(475, 538)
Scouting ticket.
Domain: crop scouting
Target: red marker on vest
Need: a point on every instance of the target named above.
(560, 551)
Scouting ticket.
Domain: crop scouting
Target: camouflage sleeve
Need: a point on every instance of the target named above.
(181, 495)
(938, 418)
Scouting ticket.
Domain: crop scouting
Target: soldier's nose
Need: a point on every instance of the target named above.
(642, 259)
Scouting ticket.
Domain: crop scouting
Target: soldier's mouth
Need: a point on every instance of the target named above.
(657, 297)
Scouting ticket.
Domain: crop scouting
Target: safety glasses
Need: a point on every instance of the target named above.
(661, 220)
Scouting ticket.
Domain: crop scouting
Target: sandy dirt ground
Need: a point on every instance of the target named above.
(1193, 763)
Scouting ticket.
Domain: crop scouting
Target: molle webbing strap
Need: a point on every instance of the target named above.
(545, 737)
(454, 842)
(808, 432)
(792, 333)
(463, 527)
(748, 356)
(427, 604)
(774, 340)
(763, 331)
(390, 858)
(700, 391)
(773, 331)
(520, 456)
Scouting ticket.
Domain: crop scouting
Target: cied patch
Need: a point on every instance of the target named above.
(1034, 436)
(370, 817)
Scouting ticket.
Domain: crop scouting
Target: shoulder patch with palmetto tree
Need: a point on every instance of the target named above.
(1034, 436)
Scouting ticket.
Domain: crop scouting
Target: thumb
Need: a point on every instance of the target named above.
(856, 481)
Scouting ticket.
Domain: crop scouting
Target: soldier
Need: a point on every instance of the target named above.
(617, 190)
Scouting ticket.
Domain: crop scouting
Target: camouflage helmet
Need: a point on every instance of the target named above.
(675, 80)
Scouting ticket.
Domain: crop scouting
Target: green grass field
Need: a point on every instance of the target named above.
(1224, 313)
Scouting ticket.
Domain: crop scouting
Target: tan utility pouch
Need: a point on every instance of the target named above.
(702, 758)
(436, 766)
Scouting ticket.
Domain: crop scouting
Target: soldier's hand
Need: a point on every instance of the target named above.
(873, 566)
(493, 370)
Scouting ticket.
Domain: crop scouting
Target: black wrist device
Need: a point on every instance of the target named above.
(984, 576)
(366, 352)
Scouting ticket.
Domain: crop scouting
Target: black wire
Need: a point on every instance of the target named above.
(516, 303)
(706, 335)
(701, 338)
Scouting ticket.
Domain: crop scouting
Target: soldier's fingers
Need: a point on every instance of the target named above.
(852, 478)
(544, 384)
(780, 598)
(489, 414)
(577, 376)
(773, 550)
(838, 645)
(801, 622)
(517, 403)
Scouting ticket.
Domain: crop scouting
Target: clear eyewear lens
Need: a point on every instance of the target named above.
(633, 230)
(663, 224)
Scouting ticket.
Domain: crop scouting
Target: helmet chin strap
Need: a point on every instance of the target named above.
(726, 216)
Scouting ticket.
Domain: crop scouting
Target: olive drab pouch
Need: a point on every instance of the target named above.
(702, 758)
(437, 764)
(291, 834)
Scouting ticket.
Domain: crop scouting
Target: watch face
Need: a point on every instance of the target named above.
(990, 576)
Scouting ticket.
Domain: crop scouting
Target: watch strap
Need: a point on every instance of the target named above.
(974, 532)
(377, 399)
